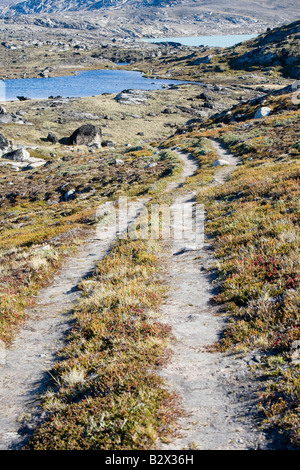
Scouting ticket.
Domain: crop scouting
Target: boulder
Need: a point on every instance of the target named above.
(262, 112)
(52, 138)
(151, 165)
(19, 155)
(86, 135)
(202, 60)
(4, 144)
(23, 98)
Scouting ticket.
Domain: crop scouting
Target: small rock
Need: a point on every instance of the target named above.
(69, 194)
(132, 97)
(46, 247)
(23, 98)
(52, 138)
(95, 146)
(221, 162)
(186, 249)
(295, 352)
(151, 165)
(108, 143)
(262, 112)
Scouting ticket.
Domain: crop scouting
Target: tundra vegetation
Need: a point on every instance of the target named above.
(105, 391)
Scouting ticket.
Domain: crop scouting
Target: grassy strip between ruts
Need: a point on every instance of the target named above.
(108, 394)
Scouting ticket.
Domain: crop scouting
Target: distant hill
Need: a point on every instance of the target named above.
(150, 18)
(55, 6)
(261, 10)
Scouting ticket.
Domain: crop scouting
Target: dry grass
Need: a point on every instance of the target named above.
(109, 395)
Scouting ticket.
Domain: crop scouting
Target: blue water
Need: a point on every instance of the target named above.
(210, 41)
(88, 83)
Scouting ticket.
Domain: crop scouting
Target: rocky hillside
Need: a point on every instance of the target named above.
(269, 10)
(276, 48)
(147, 18)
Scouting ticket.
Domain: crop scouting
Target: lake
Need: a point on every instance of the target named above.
(210, 41)
(87, 83)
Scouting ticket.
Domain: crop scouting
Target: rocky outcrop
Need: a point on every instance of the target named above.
(202, 60)
(276, 48)
(133, 97)
(221, 162)
(21, 158)
(86, 135)
(6, 118)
